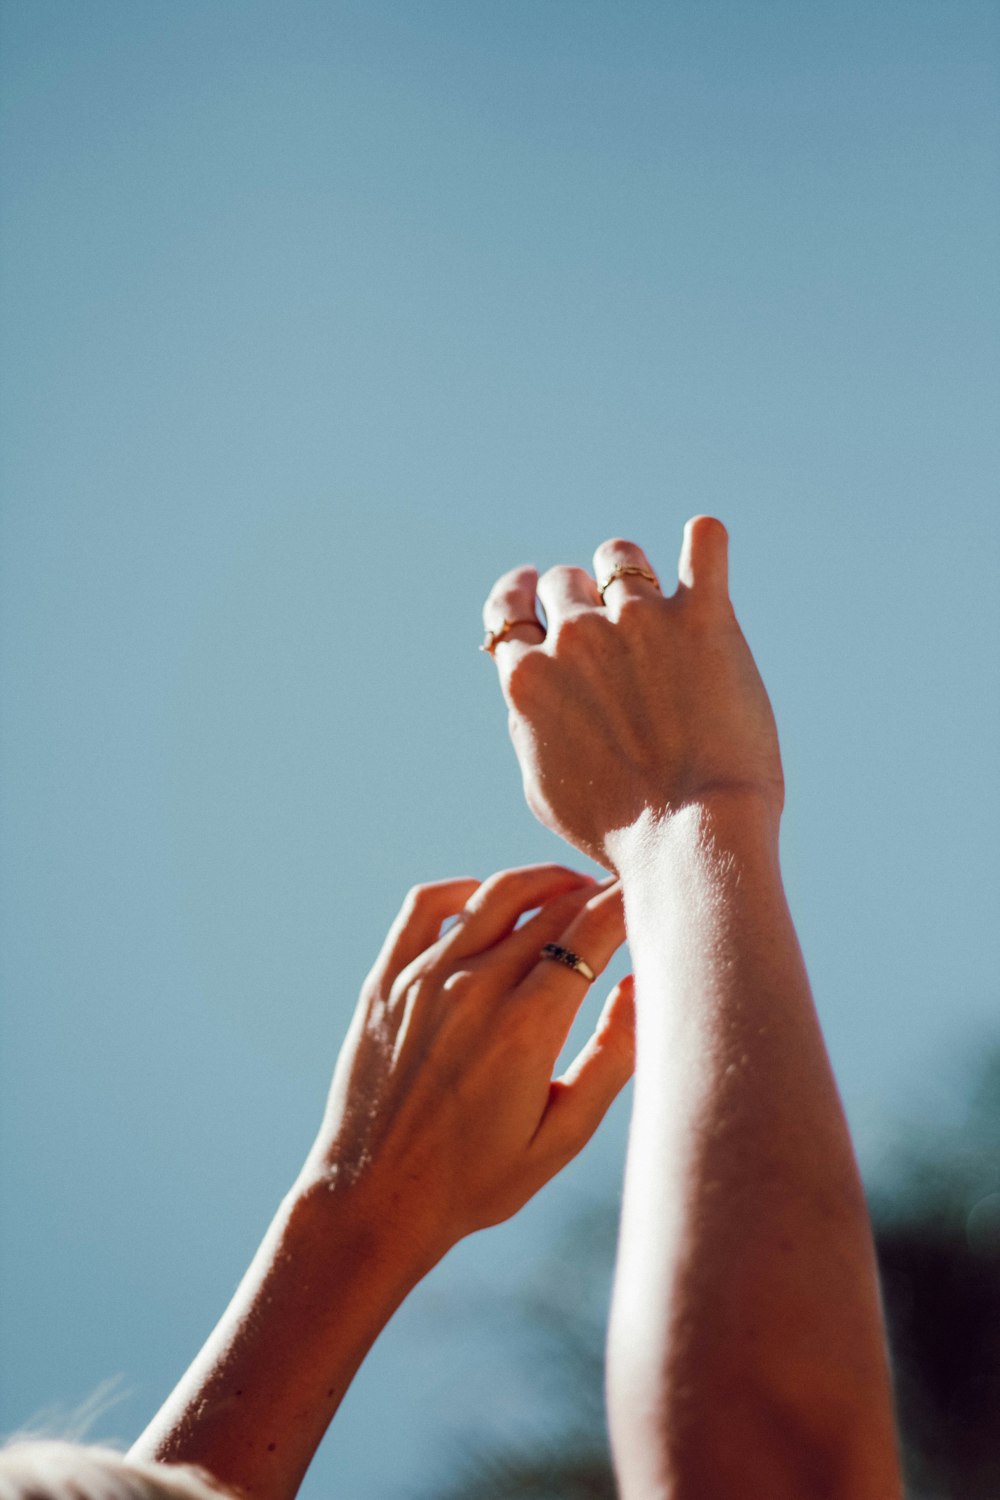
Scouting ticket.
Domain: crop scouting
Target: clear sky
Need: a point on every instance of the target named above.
(315, 318)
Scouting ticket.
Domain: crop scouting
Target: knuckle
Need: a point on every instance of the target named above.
(413, 988)
(639, 609)
(524, 680)
(417, 900)
(602, 922)
(562, 573)
(460, 985)
(486, 893)
(499, 884)
(618, 547)
(578, 630)
(403, 986)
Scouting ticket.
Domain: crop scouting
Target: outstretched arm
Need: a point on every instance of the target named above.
(443, 1118)
(746, 1347)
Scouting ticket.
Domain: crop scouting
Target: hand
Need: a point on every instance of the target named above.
(443, 1116)
(636, 706)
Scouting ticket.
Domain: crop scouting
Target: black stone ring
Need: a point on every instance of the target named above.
(569, 959)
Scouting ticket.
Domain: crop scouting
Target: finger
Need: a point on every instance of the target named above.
(623, 572)
(566, 591)
(495, 908)
(418, 924)
(510, 617)
(704, 563)
(513, 958)
(579, 1100)
(554, 992)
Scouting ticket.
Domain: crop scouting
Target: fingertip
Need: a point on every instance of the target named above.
(528, 886)
(612, 546)
(615, 1032)
(606, 908)
(707, 526)
(583, 1095)
(704, 561)
(522, 573)
(558, 872)
(512, 596)
(619, 1007)
(525, 577)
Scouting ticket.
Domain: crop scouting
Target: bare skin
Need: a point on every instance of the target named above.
(746, 1348)
(443, 1118)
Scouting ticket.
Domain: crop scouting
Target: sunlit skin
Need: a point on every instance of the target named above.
(443, 1118)
(746, 1349)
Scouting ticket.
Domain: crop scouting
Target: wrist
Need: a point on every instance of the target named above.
(746, 820)
(326, 1279)
(391, 1247)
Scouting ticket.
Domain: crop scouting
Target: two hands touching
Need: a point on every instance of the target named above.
(443, 1118)
(746, 1352)
(620, 713)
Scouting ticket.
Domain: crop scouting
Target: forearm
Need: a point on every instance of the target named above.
(256, 1402)
(746, 1349)
(442, 1119)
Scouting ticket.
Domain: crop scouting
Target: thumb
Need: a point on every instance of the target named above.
(704, 563)
(581, 1098)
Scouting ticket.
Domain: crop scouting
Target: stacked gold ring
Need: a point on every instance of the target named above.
(494, 637)
(626, 570)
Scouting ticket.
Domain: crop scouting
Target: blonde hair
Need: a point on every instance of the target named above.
(43, 1469)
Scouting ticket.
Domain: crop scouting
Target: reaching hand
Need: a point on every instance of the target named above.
(635, 704)
(443, 1116)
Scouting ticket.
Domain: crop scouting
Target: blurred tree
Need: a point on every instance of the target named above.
(937, 1221)
(562, 1317)
(937, 1228)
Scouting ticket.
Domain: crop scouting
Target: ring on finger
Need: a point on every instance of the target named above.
(494, 637)
(569, 960)
(626, 570)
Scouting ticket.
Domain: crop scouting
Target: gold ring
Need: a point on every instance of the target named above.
(494, 637)
(569, 959)
(624, 570)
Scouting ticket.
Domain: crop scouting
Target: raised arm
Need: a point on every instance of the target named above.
(746, 1346)
(443, 1118)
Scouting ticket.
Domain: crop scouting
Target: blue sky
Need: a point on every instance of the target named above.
(317, 317)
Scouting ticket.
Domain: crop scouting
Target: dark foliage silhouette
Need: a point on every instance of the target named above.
(938, 1240)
